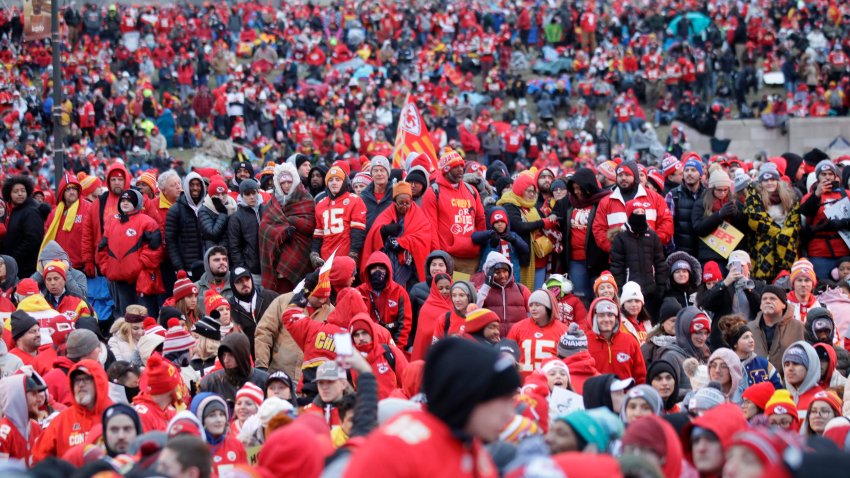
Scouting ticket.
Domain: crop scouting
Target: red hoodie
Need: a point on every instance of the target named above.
(457, 213)
(391, 307)
(71, 241)
(619, 355)
(92, 226)
(375, 352)
(72, 425)
(298, 449)
(57, 381)
(433, 311)
(411, 380)
(582, 367)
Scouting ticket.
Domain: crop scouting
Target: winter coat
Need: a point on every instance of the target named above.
(788, 331)
(73, 425)
(596, 258)
(456, 212)
(130, 248)
(611, 214)
(684, 294)
(274, 346)
(71, 241)
(374, 207)
(420, 291)
(207, 282)
(24, 233)
(582, 367)
(248, 321)
(434, 309)
(183, 229)
(510, 302)
(518, 249)
(522, 228)
(639, 258)
(391, 307)
(684, 347)
(842, 356)
(377, 353)
(103, 211)
(214, 224)
(226, 382)
(20, 431)
(152, 416)
(684, 201)
(804, 393)
(242, 237)
(619, 355)
(718, 301)
(826, 241)
(704, 225)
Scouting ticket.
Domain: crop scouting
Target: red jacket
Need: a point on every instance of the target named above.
(71, 241)
(42, 362)
(582, 366)
(571, 309)
(387, 376)
(621, 355)
(611, 213)
(536, 343)
(18, 432)
(314, 338)
(72, 426)
(391, 307)
(432, 313)
(92, 227)
(57, 381)
(130, 248)
(153, 417)
(456, 214)
(418, 445)
(825, 243)
(227, 453)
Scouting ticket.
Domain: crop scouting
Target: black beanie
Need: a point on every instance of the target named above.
(21, 323)
(669, 308)
(460, 374)
(119, 409)
(167, 313)
(243, 165)
(777, 291)
(130, 195)
(417, 176)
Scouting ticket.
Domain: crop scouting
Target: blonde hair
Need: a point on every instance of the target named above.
(136, 309)
(207, 347)
(124, 330)
(787, 197)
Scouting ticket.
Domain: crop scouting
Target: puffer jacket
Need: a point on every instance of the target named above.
(842, 356)
(639, 258)
(510, 302)
(826, 241)
(102, 212)
(214, 224)
(242, 237)
(130, 246)
(683, 228)
(183, 230)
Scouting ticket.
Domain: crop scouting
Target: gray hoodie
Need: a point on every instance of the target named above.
(205, 283)
(76, 284)
(812, 374)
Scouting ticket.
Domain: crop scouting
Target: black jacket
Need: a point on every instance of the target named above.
(595, 258)
(24, 233)
(718, 301)
(683, 230)
(214, 224)
(374, 207)
(704, 225)
(242, 231)
(183, 235)
(246, 321)
(639, 258)
(522, 228)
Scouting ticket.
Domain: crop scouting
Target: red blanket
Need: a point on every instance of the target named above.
(281, 255)
(415, 237)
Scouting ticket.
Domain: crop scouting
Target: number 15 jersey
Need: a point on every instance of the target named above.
(336, 219)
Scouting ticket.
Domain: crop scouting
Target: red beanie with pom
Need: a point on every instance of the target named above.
(183, 286)
(162, 376)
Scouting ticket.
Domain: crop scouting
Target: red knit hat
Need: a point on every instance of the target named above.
(522, 182)
(605, 278)
(177, 338)
(152, 327)
(711, 272)
(759, 394)
(342, 271)
(162, 376)
(829, 397)
(251, 391)
(54, 266)
(89, 184)
(27, 287)
(213, 300)
(498, 215)
(450, 159)
(217, 186)
(700, 322)
(183, 286)
(478, 319)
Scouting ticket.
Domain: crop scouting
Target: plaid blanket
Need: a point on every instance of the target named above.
(283, 256)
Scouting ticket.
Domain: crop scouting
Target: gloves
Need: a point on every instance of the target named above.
(390, 230)
(290, 231)
(490, 276)
(728, 209)
(494, 239)
(549, 224)
(90, 270)
(219, 206)
(316, 259)
(393, 245)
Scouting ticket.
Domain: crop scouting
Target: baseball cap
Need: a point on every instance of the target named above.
(618, 385)
(329, 370)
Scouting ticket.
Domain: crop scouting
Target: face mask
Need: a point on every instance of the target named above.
(378, 280)
(131, 393)
(638, 223)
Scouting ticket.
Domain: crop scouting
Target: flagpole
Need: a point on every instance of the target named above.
(58, 140)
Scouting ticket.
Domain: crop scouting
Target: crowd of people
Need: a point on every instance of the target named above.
(542, 298)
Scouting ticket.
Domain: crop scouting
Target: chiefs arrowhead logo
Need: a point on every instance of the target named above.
(392, 303)
(410, 121)
(623, 357)
(538, 335)
(383, 368)
(131, 232)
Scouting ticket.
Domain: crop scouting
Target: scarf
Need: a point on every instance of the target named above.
(164, 203)
(529, 214)
(67, 224)
(804, 308)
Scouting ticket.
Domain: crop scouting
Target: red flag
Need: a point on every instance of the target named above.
(412, 136)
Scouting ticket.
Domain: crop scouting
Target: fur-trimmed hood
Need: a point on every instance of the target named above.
(696, 269)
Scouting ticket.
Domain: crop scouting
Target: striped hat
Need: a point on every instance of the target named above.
(149, 179)
(208, 327)
(177, 338)
(803, 268)
(249, 390)
(89, 184)
(152, 327)
(183, 286)
(478, 319)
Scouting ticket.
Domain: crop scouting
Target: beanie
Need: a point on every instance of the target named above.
(402, 187)
(759, 394)
(361, 178)
(648, 394)
(177, 338)
(217, 186)
(89, 184)
(741, 180)
(418, 176)
(252, 392)
(380, 161)
(827, 165)
(246, 165)
(779, 292)
(541, 297)
(522, 182)
(694, 162)
(461, 374)
(767, 171)
(162, 377)
(768, 444)
(208, 327)
(605, 278)
(478, 319)
(450, 159)
(152, 327)
(608, 169)
(213, 300)
(699, 323)
(587, 428)
(707, 397)
(739, 256)
(183, 286)
(148, 344)
(54, 266)
(719, 179)
(27, 287)
(803, 268)
(711, 272)
(21, 323)
(81, 343)
(132, 196)
(248, 184)
(205, 403)
(335, 172)
(670, 164)
(796, 354)
(648, 433)
(572, 342)
(631, 291)
(670, 307)
(781, 403)
(830, 398)
(147, 178)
